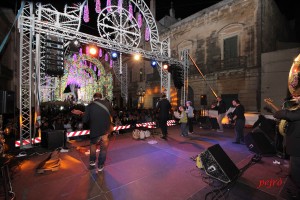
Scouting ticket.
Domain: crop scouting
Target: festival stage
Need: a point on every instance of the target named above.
(141, 170)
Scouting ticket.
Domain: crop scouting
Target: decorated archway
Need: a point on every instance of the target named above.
(88, 74)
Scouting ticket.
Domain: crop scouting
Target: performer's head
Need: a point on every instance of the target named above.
(236, 102)
(219, 98)
(163, 96)
(188, 103)
(97, 95)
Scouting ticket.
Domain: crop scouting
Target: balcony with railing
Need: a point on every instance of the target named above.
(221, 65)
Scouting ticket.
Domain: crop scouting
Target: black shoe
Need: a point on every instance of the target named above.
(164, 137)
(236, 142)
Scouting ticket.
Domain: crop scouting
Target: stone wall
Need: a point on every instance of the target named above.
(203, 34)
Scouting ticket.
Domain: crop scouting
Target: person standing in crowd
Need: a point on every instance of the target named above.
(221, 108)
(292, 140)
(239, 118)
(190, 116)
(183, 121)
(98, 115)
(163, 107)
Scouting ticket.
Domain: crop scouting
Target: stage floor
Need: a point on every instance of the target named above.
(141, 170)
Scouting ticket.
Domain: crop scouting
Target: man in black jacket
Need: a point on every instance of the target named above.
(292, 145)
(239, 118)
(163, 107)
(98, 117)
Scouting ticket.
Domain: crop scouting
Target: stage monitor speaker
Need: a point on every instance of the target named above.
(258, 143)
(52, 139)
(218, 165)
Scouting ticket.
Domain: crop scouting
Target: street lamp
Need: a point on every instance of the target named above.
(141, 94)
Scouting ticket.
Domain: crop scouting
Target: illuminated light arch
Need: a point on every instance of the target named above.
(87, 77)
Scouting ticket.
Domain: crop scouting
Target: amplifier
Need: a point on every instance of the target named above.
(52, 139)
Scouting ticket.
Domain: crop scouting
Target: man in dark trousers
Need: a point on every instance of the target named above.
(292, 139)
(239, 118)
(163, 107)
(221, 108)
(98, 116)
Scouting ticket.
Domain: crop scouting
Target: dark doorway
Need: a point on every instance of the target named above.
(228, 99)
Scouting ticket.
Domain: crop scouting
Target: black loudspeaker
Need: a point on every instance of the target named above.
(218, 165)
(203, 100)
(7, 102)
(258, 143)
(52, 139)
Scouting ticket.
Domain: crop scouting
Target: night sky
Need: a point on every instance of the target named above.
(183, 8)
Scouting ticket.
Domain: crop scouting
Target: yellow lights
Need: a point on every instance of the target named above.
(165, 66)
(93, 50)
(137, 56)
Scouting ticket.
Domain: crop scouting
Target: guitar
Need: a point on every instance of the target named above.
(282, 125)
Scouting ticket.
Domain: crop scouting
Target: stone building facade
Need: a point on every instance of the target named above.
(226, 41)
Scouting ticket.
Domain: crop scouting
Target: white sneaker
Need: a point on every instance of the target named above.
(101, 168)
(221, 131)
(64, 150)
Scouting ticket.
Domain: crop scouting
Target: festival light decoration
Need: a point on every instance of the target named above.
(108, 5)
(120, 5)
(86, 15)
(100, 53)
(147, 34)
(140, 20)
(88, 79)
(75, 57)
(130, 10)
(98, 6)
(87, 50)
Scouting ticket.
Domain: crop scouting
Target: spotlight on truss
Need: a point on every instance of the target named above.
(114, 55)
(93, 50)
(153, 63)
(137, 56)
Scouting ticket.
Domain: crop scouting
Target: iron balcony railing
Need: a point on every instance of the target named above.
(220, 65)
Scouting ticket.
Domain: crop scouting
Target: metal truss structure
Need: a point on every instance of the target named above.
(37, 22)
(184, 91)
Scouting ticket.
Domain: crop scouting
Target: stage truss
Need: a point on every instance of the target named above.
(38, 22)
